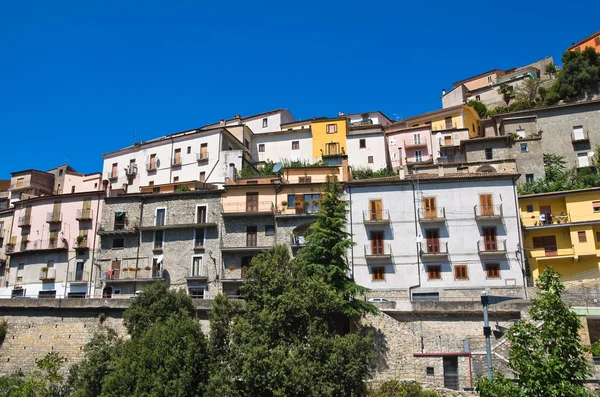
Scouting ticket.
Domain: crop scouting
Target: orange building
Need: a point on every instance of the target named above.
(590, 41)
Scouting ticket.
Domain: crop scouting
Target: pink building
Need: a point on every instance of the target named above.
(408, 146)
(53, 241)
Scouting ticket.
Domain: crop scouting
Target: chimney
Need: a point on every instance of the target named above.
(443, 92)
(402, 176)
(340, 114)
(441, 170)
(237, 117)
(222, 122)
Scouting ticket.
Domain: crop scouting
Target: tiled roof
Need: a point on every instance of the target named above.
(453, 175)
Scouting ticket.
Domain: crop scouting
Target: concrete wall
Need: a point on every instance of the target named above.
(375, 149)
(475, 149)
(278, 147)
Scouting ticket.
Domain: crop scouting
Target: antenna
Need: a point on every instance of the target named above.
(134, 135)
(277, 167)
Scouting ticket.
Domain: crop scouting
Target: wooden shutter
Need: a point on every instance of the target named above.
(377, 243)
(251, 202)
(433, 240)
(115, 267)
(251, 239)
(487, 204)
(489, 238)
(430, 207)
(376, 207)
(299, 203)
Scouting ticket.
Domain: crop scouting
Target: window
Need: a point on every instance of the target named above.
(370, 159)
(492, 270)
(598, 237)
(429, 371)
(269, 230)
(378, 274)
(47, 294)
(529, 207)
(473, 126)
(331, 128)
(547, 243)
(418, 156)
(246, 144)
(120, 220)
(251, 202)
(197, 266)
(265, 123)
(489, 155)
(20, 182)
(583, 160)
(20, 269)
(151, 183)
(202, 176)
(489, 238)
(376, 210)
(429, 207)
(448, 122)
(177, 158)
(295, 145)
(392, 141)
(155, 190)
(417, 139)
(72, 189)
(304, 179)
(582, 237)
(362, 144)
(152, 166)
(529, 178)
(114, 172)
(597, 41)
(160, 216)
(201, 214)
(60, 172)
(434, 272)
(290, 200)
(196, 292)
(478, 97)
(486, 204)
(578, 134)
(158, 239)
(261, 147)
(433, 240)
(524, 148)
(596, 206)
(118, 242)
(489, 79)
(204, 151)
(377, 247)
(189, 150)
(199, 238)
(460, 272)
(175, 179)
(251, 236)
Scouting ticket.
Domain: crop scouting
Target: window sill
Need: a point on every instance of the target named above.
(435, 279)
(461, 279)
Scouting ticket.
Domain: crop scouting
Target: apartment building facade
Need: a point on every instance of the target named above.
(592, 40)
(431, 237)
(562, 230)
(6, 224)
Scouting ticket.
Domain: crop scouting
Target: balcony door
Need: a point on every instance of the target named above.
(447, 141)
(299, 203)
(430, 207)
(160, 217)
(86, 209)
(115, 269)
(377, 243)
(113, 172)
(433, 240)
(487, 204)
(489, 239)
(251, 236)
(376, 210)
(251, 202)
(548, 243)
(204, 151)
(333, 148)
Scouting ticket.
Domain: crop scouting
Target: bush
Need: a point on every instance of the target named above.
(394, 388)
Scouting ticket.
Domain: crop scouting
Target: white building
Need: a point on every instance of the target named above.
(283, 145)
(435, 237)
(367, 147)
(259, 123)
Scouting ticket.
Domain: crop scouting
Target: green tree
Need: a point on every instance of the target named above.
(527, 94)
(156, 303)
(507, 92)
(550, 69)
(546, 354)
(479, 107)
(45, 381)
(360, 173)
(580, 73)
(328, 243)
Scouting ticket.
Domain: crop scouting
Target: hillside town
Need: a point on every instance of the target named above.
(441, 206)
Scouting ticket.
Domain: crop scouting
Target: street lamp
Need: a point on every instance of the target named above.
(487, 332)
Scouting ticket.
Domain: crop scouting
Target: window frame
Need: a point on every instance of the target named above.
(265, 122)
(596, 206)
(154, 240)
(463, 269)
(430, 272)
(492, 271)
(112, 243)
(582, 236)
(334, 128)
(198, 206)
(370, 160)
(193, 273)
(378, 273)
(197, 231)
(490, 151)
(261, 148)
(362, 143)
(156, 216)
(295, 145)
(271, 229)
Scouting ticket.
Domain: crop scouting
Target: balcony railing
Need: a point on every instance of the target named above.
(412, 143)
(249, 208)
(24, 221)
(131, 171)
(488, 211)
(202, 156)
(551, 251)
(19, 185)
(48, 274)
(150, 167)
(197, 273)
(582, 137)
(417, 160)
(373, 251)
(493, 247)
(435, 249)
(132, 274)
(298, 241)
(176, 162)
(9, 248)
(84, 214)
(54, 217)
(376, 217)
(333, 149)
(78, 276)
(80, 245)
(112, 175)
(446, 143)
(432, 215)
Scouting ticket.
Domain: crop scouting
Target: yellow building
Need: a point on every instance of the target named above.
(562, 230)
(329, 136)
(455, 117)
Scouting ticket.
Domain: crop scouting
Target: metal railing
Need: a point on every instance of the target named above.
(488, 211)
(24, 221)
(48, 274)
(414, 143)
(112, 175)
(377, 250)
(434, 214)
(131, 170)
(132, 273)
(361, 122)
(382, 216)
(260, 206)
(437, 248)
(78, 276)
(202, 156)
(82, 244)
(84, 214)
(151, 167)
(298, 241)
(54, 217)
(494, 246)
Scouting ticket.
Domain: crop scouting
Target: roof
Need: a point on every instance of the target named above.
(376, 111)
(476, 76)
(435, 177)
(564, 105)
(28, 171)
(580, 42)
(419, 116)
(560, 193)
(419, 127)
(268, 113)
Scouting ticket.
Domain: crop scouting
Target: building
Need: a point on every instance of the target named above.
(432, 237)
(260, 123)
(455, 117)
(6, 224)
(52, 245)
(409, 146)
(562, 230)
(592, 40)
(366, 146)
(30, 183)
(167, 235)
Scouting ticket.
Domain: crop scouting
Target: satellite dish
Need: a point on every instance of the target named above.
(591, 153)
(277, 167)
(438, 135)
(419, 238)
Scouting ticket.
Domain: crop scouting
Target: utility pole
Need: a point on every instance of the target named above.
(487, 331)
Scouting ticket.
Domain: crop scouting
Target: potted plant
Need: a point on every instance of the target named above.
(147, 268)
(44, 269)
(284, 203)
(24, 240)
(297, 203)
(306, 203)
(316, 202)
(80, 239)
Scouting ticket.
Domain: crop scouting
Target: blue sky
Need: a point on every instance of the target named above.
(79, 77)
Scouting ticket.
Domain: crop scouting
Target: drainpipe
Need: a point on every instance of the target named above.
(520, 251)
(416, 243)
(94, 247)
(351, 234)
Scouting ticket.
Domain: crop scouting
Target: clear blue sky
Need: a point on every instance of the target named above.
(79, 77)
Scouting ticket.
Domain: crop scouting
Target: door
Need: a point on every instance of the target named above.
(204, 151)
(115, 269)
(113, 172)
(251, 236)
(177, 156)
(251, 202)
(332, 148)
(418, 156)
(201, 215)
(79, 271)
(447, 141)
(451, 373)
(430, 208)
(487, 204)
(299, 203)
(433, 240)
(489, 239)
(377, 243)
(548, 243)
(376, 210)
(160, 217)
(546, 211)
(86, 209)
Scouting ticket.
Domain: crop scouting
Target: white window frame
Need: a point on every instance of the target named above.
(524, 148)
(578, 128)
(198, 287)
(196, 214)
(583, 156)
(203, 238)
(261, 146)
(156, 215)
(265, 122)
(392, 141)
(417, 138)
(192, 266)
(419, 157)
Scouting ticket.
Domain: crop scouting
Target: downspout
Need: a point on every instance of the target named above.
(94, 248)
(351, 234)
(218, 159)
(416, 243)
(521, 251)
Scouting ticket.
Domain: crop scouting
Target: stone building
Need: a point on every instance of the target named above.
(160, 236)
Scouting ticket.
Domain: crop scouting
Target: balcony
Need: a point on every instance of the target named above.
(202, 156)
(84, 214)
(111, 176)
(434, 215)
(376, 218)
(27, 246)
(491, 248)
(414, 144)
(552, 252)
(377, 251)
(24, 221)
(580, 136)
(82, 244)
(78, 277)
(550, 222)
(417, 161)
(298, 241)
(436, 250)
(176, 162)
(47, 274)
(16, 186)
(487, 212)
(197, 275)
(54, 217)
(132, 274)
(260, 208)
(447, 143)
(131, 171)
(9, 248)
(332, 149)
(151, 167)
